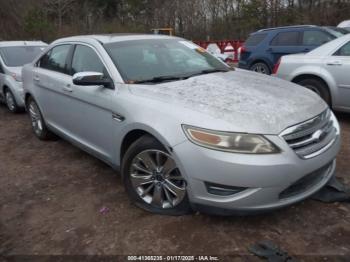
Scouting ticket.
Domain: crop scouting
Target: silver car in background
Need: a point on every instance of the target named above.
(186, 131)
(13, 55)
(324, 70)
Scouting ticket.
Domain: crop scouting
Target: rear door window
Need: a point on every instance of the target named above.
(255, 39)
(286, 39)
(315, 38)
(56, 59)
(344, 51)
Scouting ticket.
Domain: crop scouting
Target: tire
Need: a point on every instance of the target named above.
(261, 68)
(10, 101)
(38, 123)
(317, 86)
(147, 186)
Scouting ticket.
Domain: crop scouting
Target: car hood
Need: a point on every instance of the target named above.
(247, 101)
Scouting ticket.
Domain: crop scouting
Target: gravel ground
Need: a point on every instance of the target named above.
(51, 195)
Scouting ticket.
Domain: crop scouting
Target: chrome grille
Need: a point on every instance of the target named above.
(312, 137)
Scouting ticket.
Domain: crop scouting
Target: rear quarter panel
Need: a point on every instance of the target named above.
(293, 67)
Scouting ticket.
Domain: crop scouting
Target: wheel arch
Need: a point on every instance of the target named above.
(132, 135)
(308, 76)
(261, 60)
(26, 97)
(3, 88)
(301, 77)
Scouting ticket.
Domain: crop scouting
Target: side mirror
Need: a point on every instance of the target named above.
(92, 79)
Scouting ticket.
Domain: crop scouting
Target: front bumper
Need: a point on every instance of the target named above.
(265, 177)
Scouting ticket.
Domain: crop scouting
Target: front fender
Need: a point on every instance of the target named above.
(16, 89)
(159, 133)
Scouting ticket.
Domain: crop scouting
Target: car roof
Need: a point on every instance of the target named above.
(345, 23)
(110, 38)
(21, 43)
(287, 28)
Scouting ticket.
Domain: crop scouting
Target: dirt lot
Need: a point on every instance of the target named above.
(51, 194)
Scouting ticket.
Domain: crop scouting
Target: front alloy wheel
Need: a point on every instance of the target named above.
(156, 179)
(35, 116)
(153, 180)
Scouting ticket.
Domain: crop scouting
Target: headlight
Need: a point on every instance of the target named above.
(16, 77)
(231, 142)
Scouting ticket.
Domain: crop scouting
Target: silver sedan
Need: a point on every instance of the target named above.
(185, 130)
(324, 70)
(13, 55)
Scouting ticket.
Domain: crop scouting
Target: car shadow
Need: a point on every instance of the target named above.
(343, 117)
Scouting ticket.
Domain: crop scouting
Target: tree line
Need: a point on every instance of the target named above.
(192, 19)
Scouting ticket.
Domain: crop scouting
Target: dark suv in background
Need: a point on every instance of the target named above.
(264, 48)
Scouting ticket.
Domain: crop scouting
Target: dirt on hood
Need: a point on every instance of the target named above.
(252, 102)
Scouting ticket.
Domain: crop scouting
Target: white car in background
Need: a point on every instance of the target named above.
(13, 55)
(345, 24)
(325, 70)
(226, 57)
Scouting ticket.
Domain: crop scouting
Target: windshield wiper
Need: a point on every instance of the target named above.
(209, 71)
(160, 79)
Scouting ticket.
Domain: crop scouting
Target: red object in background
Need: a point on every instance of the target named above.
(236, 44)
(243, 49)
(275, 68)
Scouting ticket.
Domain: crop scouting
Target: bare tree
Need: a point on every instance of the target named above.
(193, 19)
(59, 8)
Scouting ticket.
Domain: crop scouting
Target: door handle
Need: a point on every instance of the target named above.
(334, 63)
(67, 88)
(36, 78)
(306, 50)
(117, 117)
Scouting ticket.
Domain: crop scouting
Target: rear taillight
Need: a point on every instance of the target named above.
(242, 49)
(275, 68)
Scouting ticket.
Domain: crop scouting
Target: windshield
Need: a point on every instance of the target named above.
(336, 31)
(15, 56)
(166, 59)
(341, 30)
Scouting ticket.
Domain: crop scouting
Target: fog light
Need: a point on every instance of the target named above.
(221, 190)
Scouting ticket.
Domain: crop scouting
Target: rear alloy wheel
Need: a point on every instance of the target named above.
(261, 68)
(11, 101)
(153, 180)
(38, 123)
(318, 87)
